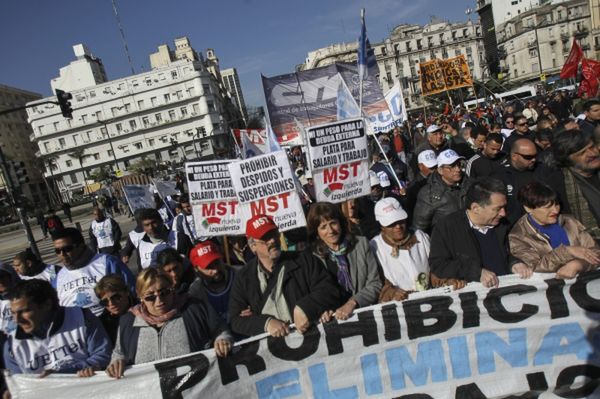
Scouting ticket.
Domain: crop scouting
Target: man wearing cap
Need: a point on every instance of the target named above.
(427, 163)
(403, 256)
(216, 277)
(278, 288)
(380, 188)
(472, 245)
(485, 161)
(443, 193)
(436, 140)
(419, 135)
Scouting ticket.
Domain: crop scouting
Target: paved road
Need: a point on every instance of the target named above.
(16, 241)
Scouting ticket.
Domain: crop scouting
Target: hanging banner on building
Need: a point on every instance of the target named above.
(214, 203)
(395, 115)
(310, 97)
(139, 196)
(456, 72)
(536, 338)
(339, 160)
(264, 185)
(258, 137)
(432, 78)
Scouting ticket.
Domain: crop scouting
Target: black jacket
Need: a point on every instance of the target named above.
(306, 283)
(455, 250)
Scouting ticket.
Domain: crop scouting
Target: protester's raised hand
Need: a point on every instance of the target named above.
(277, 328)
(488, 278)
(300, 320)
(522, 270)
(222, 347)
(115, 368)
(86, 372)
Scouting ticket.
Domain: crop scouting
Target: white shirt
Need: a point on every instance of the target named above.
(403, 271)
(48, 274)
(103, 233)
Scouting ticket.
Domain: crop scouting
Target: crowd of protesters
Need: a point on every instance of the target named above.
(460, 197)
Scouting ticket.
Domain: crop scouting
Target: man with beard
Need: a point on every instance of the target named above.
(216, 277)
(278, 288)
(578, 180)
(472, 245)
(484, 162)
(83, 269)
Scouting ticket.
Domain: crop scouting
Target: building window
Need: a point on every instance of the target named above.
(179, 94)
(138, 146)
(141, 104)
(150, 142)
(183, 111)
(69, 163)
(127, 107)
(211, 105)
(73, 177)
(195, 108)
(110, 153)
(532, 52)
(92, 94)
(46, 147)
(61, 142)
(167, 97)
(132, 124)
(145, 121)
(172, 115)
(75, 139)
(153, 101)
(83, 118)
(206, 88)
(119, 127)
(96, 156)
(158, 118)
(56, 126)
(174, 74)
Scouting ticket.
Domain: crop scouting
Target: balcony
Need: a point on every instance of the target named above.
(564, 37)
(581, 33)
(532, 44)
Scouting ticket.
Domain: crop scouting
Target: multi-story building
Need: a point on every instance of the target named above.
(15, 144)
(538, 39)
(399, 55)
(231, 81)
(171, 113)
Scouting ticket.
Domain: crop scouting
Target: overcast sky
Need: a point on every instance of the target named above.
(255, 36)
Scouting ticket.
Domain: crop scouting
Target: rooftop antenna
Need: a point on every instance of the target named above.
(114, 5)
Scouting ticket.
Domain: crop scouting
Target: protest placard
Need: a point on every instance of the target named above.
(264, 185)
(213, 199)
(338, 157)
(138, 196)
(432, 78)
(534, 338)
(258, 137)
(456, 72)
(386, 120)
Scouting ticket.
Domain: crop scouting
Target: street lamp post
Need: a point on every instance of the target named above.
(112, 149)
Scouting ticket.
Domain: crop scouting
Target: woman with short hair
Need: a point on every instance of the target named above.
(115, 297)
(547, 241)
(346, 256)
(165, 325)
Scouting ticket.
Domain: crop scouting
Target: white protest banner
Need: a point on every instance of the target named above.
(339, 160)
(213, 199)
(139, 196)
(386, 120)
(531, 339)
(264, 185)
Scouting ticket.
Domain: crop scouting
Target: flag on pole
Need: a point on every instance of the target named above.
(569, 69)
(272, 142)
(590, 70)
(367, 63)
(345, 103)
(249, 149)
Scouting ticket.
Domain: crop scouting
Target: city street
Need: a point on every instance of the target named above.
(15, 241)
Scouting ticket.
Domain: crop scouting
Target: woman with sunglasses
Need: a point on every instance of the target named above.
(165, 325)
(116, 300)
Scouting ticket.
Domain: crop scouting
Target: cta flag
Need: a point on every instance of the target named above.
(569, 69)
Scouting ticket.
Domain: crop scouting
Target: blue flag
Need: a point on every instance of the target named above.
(367, 63)
(346, 105)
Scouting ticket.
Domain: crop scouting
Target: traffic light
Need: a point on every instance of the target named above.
(20, 172)
(64, 103)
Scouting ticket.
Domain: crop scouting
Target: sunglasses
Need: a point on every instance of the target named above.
(527, 157)
(522, 124)
(65, 249)
(162, 294)
(507, 122)
(112, 299)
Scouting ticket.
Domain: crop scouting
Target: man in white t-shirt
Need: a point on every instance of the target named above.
(403, 255)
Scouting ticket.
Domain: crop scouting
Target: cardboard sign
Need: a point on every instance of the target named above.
(265, 185)
(432, 78)
(456, 72)
(213, 199)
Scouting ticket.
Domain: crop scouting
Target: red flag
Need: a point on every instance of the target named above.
(590, 70)
(569, 69)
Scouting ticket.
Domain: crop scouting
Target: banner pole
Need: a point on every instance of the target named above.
(226, 250)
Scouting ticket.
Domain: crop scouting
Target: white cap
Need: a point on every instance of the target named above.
(433, 128)
(420, 124)
(384, 179)
(373, 178)
(427, 158)
(448, 157)
(388, 211)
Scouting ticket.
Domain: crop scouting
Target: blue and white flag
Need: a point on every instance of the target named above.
(367, 63)
(249, 149)
(272, 142)
(346, 105)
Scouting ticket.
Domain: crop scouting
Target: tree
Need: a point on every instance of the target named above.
(143, 166)
(102, 174)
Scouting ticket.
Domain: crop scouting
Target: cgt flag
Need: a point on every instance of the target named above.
(569, 69)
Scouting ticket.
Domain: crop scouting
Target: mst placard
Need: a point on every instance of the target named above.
(264, 185)
(339, 160)
(213, 199)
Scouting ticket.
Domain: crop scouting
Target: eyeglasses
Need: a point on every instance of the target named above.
(527, 157)
(161, 293)
(453, 166)
(65, 249)
(111, 299)
(507, 122)
(522, 124)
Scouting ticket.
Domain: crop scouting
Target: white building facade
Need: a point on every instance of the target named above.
(399, 55)
(168, 114)
(231, 81)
